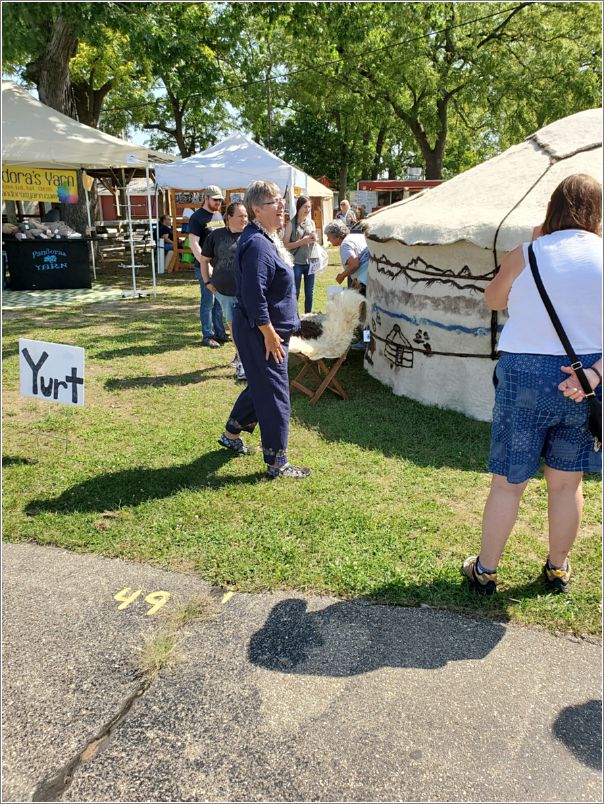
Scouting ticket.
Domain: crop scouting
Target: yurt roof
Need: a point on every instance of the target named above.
(497, 203)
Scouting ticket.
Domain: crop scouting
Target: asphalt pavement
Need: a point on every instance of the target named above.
(280, 697)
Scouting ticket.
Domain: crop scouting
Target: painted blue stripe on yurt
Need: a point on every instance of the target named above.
(427, 322)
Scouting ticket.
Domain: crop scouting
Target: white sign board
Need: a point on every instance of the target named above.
(51, 371)
(364, 198)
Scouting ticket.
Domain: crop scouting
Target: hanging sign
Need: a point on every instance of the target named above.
(52, 371)
(39, 184)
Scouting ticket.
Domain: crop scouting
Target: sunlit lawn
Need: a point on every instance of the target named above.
(391, 509)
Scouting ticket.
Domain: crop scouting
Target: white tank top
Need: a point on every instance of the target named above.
(570, 265)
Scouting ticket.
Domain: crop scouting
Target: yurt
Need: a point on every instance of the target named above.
(433, 339)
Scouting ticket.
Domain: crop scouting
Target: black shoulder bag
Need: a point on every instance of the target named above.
(594, 421)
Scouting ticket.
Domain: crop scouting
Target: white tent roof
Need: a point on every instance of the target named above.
(510, 191)
(233, 163)
(35, 135)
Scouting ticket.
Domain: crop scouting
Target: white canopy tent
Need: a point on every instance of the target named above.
(433, 254)
(234, 162)
(35, 135)
(237, 161)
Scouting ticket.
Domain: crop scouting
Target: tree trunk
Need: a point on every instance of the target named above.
(379, 147)
(11, 212)
(89, 101)
(75, 215)
(50, 71)
(433, 162)
(343, 183)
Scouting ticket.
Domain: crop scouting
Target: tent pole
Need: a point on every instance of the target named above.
(132, 263)
(157, 240)
(150, 229)
(90, 232)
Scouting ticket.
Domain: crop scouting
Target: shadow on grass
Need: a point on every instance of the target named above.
(133, 487)
(458, 596)
(190, 378)
(16, 460)
(154, 348)
(351, 637)
(376, 419)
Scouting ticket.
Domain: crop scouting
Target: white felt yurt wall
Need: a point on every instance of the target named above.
(432, 255)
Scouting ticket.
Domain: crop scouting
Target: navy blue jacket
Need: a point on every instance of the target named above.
(265, 283)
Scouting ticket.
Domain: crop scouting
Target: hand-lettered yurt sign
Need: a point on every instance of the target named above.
(433, 339)
(51, 371)
(39, 184)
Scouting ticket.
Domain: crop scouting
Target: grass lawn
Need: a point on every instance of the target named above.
(393, 505)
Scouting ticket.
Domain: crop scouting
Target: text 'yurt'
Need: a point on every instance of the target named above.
(433, 339)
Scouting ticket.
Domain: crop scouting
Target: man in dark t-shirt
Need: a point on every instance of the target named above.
(210, 311)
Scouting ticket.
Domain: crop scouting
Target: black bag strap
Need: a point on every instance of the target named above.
(575, 362)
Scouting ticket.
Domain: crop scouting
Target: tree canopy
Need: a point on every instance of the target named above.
(348, 89)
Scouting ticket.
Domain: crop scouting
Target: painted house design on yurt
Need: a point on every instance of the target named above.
(433, 338)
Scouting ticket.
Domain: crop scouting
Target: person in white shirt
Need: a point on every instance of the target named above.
(536, 389)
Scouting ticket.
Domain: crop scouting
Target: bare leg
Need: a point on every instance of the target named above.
(564, 510)
(498, 519)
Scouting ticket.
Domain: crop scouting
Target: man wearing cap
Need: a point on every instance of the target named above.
(210, 311)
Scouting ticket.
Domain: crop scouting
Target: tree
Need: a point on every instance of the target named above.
(460, 82)
(181, 46)
(40, 40)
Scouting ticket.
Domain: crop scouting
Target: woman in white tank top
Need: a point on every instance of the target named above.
(540, 408)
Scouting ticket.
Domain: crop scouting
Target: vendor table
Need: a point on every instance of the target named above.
(47, 264)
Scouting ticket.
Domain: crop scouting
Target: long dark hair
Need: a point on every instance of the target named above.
(576, 203)
(300, 203)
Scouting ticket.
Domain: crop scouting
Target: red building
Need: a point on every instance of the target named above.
(389, 191)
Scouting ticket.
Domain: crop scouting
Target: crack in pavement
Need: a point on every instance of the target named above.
(52, 786)
(55, 783)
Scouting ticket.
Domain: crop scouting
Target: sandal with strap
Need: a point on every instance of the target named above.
(289, 470)
(234, 444)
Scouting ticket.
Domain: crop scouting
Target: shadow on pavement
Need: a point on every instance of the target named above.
(349, 638)
(580, 729)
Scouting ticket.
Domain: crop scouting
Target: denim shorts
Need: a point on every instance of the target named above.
(226, 302)
(532, 419)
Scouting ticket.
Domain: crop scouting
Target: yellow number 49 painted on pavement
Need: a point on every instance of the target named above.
(156, 599)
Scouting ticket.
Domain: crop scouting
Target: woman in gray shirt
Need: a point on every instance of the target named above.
(300, 236)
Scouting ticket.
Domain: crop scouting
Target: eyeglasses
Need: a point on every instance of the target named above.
(275, 202)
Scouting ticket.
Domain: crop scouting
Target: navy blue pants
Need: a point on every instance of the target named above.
(265, 400)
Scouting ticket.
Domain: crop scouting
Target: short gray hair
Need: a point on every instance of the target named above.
(257, 193)
(337, 228)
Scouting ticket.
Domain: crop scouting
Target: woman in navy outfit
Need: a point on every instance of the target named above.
(264, 317)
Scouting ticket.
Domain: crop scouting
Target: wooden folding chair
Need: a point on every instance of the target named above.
(326, 374)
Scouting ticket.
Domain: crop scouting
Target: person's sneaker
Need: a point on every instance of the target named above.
(225, 339)
(235, 361)
(289, 470)
(213, 344)
(485, 583)
(240, 373)
(235, 444)
(557, 579)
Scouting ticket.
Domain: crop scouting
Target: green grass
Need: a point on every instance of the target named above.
(393, 505)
